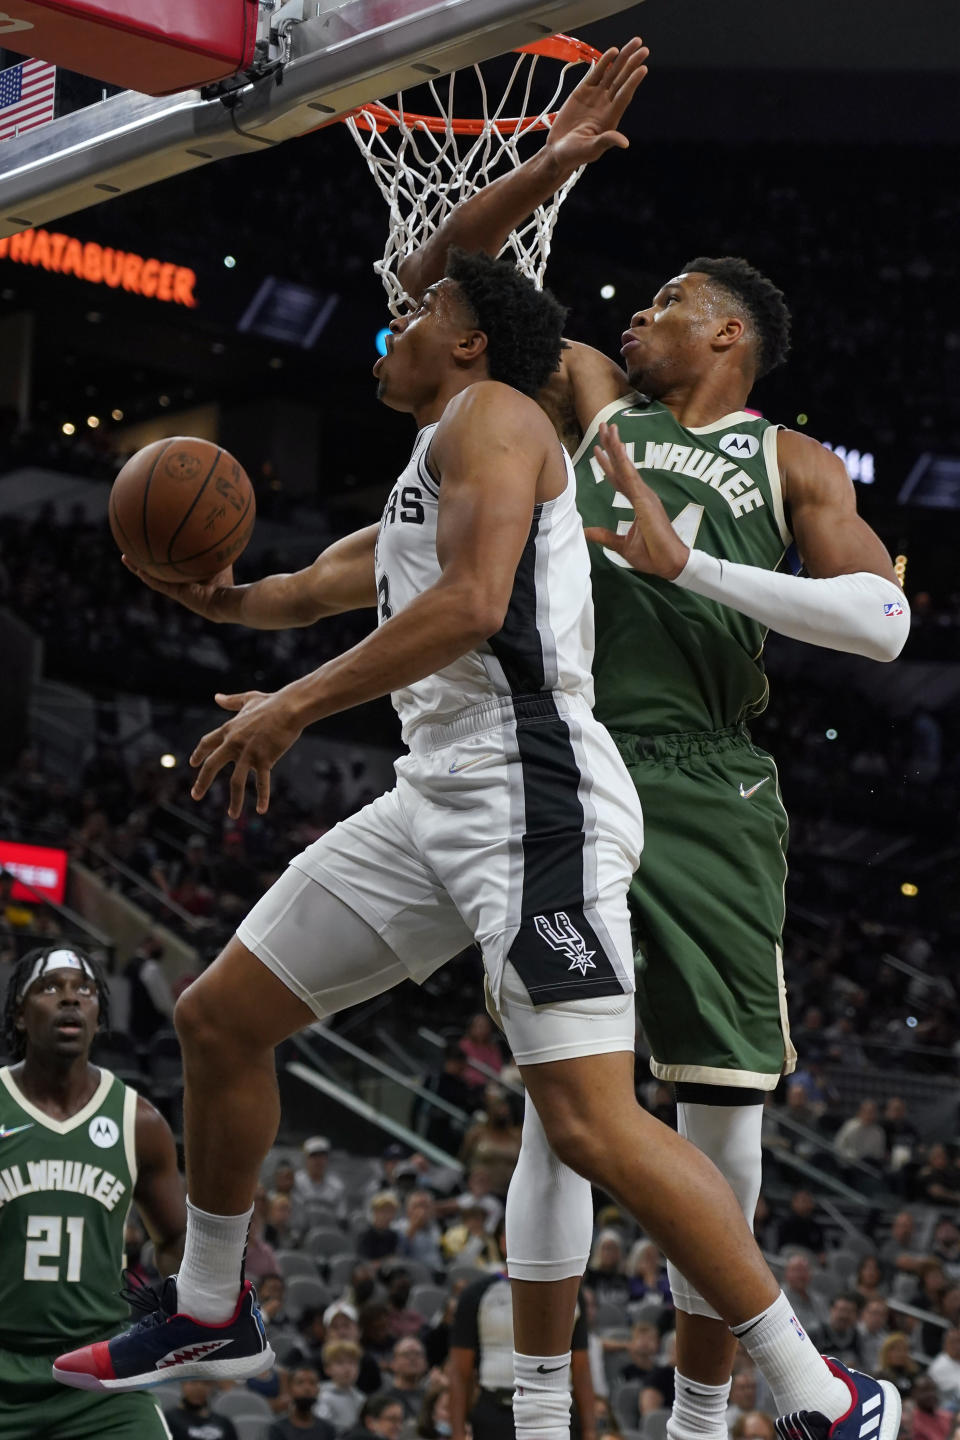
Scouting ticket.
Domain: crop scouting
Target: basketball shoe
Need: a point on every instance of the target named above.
(167, 1345)
(874, 1412)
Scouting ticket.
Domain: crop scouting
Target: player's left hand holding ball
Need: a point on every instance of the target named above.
(262, 730)
(651, 545)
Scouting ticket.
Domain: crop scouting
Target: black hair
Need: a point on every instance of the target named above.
(761, 299)
(374, 1405)
(16, 1040)
(523, 325)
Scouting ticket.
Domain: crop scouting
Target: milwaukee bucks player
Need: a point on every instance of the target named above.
(77, 1147)
(691, 502)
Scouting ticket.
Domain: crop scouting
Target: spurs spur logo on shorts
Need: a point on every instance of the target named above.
(563, 936)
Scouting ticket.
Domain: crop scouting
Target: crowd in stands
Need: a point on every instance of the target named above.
(360, 1266)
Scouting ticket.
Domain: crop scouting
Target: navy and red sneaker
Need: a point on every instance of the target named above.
(873, 1413)
(167, 1345)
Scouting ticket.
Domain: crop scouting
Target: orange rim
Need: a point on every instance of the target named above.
(565, 48)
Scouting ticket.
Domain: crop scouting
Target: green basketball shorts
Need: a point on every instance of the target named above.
(33, 1406)
(707, 906)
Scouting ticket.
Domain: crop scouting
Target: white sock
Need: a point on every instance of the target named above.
(541, 1400)
(699, 1411)
(208, 1281)
(792, 1366)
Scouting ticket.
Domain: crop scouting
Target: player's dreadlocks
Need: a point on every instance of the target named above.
(523, 325)
(16, 1042)
(761, 299)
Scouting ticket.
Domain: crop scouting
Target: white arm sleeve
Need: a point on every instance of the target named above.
(863, 614)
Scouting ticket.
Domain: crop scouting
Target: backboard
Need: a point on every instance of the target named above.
(317, 60)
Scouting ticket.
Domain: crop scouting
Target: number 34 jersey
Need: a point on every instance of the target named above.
(546, 642)
(65, 1189)
(667, 661)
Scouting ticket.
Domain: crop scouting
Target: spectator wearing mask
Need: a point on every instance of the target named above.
(433, 1422)
(300, 1423)
(376, 1332)
(193, 1419)
(340, 1399)
(403, 1320)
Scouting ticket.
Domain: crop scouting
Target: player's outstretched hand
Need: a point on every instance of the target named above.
(651, 545)
(586, 123)
(262, 730)
(202, 597)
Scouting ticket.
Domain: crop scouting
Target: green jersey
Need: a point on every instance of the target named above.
(667, 661)
(65, 1189)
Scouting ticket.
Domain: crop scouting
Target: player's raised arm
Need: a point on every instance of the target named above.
(341, 578)
(851, 600)
(585, 129)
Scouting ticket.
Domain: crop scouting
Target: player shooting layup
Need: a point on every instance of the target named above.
(513, 821)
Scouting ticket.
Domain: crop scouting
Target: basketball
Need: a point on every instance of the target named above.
(182, 509)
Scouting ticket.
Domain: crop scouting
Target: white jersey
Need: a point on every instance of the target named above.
(546, 642)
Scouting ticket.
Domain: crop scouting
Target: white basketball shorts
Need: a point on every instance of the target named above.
(515, 825)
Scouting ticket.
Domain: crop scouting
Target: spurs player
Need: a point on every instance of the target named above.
(513, 822)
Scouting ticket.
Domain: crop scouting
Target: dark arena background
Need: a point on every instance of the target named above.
(822, 142)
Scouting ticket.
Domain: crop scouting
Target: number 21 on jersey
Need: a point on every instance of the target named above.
(44, 1258)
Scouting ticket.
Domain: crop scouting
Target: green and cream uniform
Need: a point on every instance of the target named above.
(677, 679)
(65, 1190)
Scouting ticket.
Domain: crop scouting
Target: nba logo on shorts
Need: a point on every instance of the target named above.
(894, 608)
(103, 1131)
(796, 1325)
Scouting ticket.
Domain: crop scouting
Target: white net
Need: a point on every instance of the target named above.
(424, 166)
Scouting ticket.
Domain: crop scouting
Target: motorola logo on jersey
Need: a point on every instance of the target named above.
(103, 1131)
(742, 446)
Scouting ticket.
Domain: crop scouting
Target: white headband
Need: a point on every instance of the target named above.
(55, 960)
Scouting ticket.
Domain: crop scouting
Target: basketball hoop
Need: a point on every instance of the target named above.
(425, 164)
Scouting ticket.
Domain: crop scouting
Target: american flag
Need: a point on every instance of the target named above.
(26, 96)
